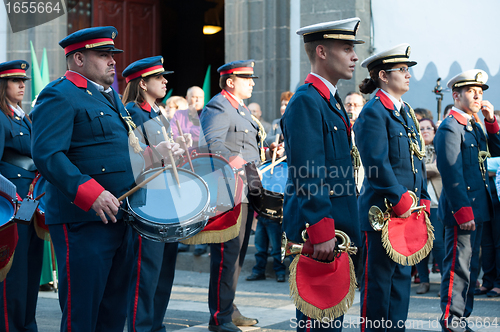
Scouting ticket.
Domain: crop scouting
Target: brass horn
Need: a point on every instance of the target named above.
(377, 218)
(291, 248)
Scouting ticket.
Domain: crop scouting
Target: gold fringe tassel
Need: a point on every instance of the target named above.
(414, 258)
(4, 270)
(215, 236)
(314, 312)
(40, 232)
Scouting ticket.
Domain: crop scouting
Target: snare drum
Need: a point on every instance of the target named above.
(163, 212)
(220, 178)
(8, 229)
(268, 202)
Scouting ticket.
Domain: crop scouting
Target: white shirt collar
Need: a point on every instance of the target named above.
(465, 115)
(17, 110)
(396, 102)
(98, 86)
(237, 99)
(329, 85)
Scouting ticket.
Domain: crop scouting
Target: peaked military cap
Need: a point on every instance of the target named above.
(340, 30)
(14, 69)
(243, 68)
(145, 67)
(97, 38)
(397, 54)
(469, 77)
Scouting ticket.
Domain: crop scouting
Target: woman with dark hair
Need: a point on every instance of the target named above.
(392, 151)
(154, 263)
(19, 291)
(434, 186)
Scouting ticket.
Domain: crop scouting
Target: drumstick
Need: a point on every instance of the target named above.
(267, 168)
(172, 161)
(39, 196)
(274, 152)
(53, 258)
(185, 145)
(142, 184)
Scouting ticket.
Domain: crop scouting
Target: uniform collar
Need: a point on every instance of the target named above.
(462, 117)
(146, 106)
(232, 99)
(81, 81)
(388, 100)
(322, 85)
(17, 111)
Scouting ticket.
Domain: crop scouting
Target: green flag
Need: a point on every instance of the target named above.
(45, 69)
(206, 85)
(36, 76)
(169, 94)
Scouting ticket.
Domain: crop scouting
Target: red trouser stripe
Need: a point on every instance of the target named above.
(136, 296)
(308, 324)
(68, 276)
(363, 313)
(5, 312)
(452, 275)
(218, 282)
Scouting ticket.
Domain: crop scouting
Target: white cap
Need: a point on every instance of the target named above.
(340, 30)
(469, 77)
(397, 54)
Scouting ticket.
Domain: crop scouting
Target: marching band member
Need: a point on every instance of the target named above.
(462, 146)
(80, 145)
(154, 262)
(314, 197)
(392, 150)
(228, 128)
(19, 291)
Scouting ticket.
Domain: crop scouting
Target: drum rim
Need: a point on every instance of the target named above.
(203, 211)
(11, 201)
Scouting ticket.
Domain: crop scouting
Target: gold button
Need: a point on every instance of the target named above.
(103, 169)
(242, 113)
(158, 132)
(472, 145)
(486, 186)
(335, 128)
(21, 133)
(331, 192)
(468, 188)
(246, 130)
(452, 211)
(416, 189)
(18, 175)
(400, 134)
(416, 171)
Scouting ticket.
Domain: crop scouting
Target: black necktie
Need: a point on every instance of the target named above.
(109, 97)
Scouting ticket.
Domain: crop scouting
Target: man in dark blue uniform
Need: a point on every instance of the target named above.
(321, 190)
(80, 146)
(462, 146)
(228, 129)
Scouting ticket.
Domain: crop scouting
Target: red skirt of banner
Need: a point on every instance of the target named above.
(8, 243)
(223, 227)
(321, 289)
(408, 240)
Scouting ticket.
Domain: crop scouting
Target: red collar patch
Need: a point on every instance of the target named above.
(145, 106)
(459, 117)
(76, 79)
(386, 101)
(230, 98)
(319, 85)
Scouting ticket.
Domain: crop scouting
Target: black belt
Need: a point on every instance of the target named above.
(16, 159)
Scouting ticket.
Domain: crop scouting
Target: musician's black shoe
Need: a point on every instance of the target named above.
(226, 327)
(255, 276)
(199, 251)
(280, 278)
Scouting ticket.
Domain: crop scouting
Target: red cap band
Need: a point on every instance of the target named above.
(12, 71)
(152, 70)
(88, 44)
(246, 70)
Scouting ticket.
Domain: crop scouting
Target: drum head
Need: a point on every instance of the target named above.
(7, 209)
(161, 201)
(37, 191)
(219, 176)
(275, 182)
